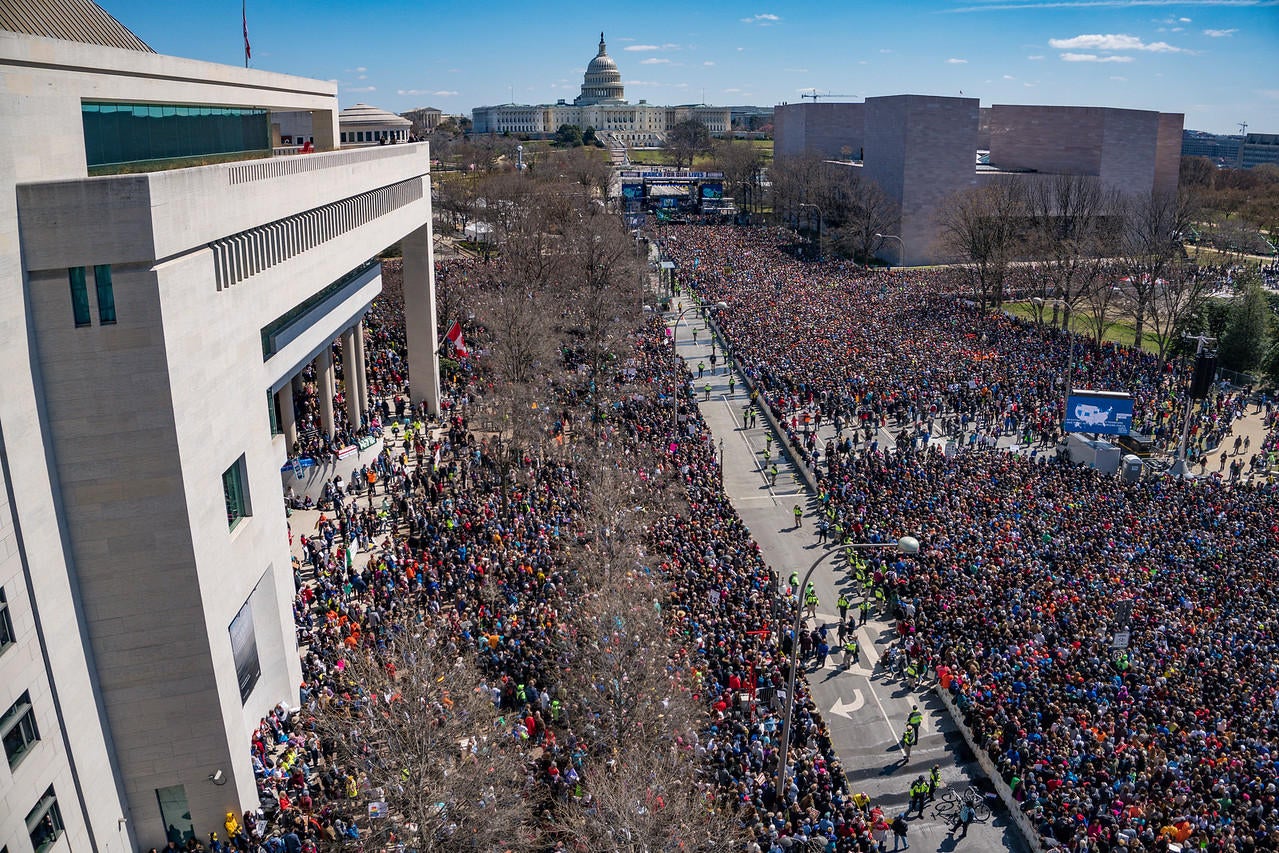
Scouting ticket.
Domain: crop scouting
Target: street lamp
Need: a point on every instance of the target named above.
(819, 227)
(720, 306)
(901, 259)
(904, 545)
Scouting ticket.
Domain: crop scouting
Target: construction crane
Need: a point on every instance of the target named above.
(815, 95)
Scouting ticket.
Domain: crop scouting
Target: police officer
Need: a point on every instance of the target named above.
(914, 719)
(934, 782)
(918, 792)
(799, 516)
(908, 740)
(850, 649)
(772, 474)
(842, 604)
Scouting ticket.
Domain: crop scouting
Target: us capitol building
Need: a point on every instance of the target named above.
(602, 105)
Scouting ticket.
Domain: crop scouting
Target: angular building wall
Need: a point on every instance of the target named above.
(920, 150)
(1059, 140)
(835, 131)
(1168, 152)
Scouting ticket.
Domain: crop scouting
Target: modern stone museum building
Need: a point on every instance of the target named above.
(164, 277)
(921, 149)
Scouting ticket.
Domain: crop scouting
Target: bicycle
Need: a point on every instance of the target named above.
(949, 804)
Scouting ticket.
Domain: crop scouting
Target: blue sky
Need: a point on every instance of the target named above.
(1214, 60)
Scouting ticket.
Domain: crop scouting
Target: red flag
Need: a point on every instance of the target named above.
(244, 18)
(455, 338)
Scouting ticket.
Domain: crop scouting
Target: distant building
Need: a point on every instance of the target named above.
(424, 119)
(602, 105)
(1259, 148)
(921, 149)
(366, 125)
(750, 118)
(1223, 150)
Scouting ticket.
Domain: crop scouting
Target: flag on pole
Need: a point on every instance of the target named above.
(244, 18)
(455, 338)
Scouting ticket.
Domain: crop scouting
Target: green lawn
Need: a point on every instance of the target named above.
(1120, 330)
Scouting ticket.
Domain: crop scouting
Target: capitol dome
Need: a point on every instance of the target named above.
(602, 83)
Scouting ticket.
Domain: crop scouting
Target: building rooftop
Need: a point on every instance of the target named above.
(68, 20)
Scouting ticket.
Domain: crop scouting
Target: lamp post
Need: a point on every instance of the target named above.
(901, 258)
(720, 306)
(819, 227)
(904, 545)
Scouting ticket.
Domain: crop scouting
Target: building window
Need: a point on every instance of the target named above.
(106, 294)
(130, 133)
(44, 822)
(175, 813)
(7, 637)
(235, 493)
(79, 297)
(18, 730)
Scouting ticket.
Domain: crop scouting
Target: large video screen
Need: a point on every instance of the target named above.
(1104, 412)
(713, 191)
(244, 650)
(632, 191)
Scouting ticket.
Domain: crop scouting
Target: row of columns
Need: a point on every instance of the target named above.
(355, 379)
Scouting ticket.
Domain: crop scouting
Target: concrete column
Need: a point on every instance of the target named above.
(324, 387)
(350, 376)
(288, 418)
(361, 366)
(419, 317)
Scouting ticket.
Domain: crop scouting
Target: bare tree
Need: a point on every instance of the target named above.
(686, 140)
(1175, 297)
(424, 741)
(1153, 230)
(1072, 230)
(740, 161)
(983, 228)
(869, 213)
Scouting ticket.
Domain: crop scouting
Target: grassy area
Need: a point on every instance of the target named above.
(1120, 330)
(1206, 255)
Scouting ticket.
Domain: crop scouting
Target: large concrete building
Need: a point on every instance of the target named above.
(602, 105)
(922, 149)
(155, 315)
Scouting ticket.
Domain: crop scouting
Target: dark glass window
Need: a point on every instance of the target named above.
(79, 297)
(44, 822)
(106, 294)
(18, 729)
(130, 133)
(236, 495)
(7, 637)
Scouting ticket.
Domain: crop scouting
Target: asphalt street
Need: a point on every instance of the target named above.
(864, 707)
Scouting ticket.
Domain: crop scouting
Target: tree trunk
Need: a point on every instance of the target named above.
(1139, 325)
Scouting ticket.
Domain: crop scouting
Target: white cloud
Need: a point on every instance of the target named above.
(1036, 57)
(954, 61)
(708, 63)
(732, 91)
(441, 94)
(1184, 20)
(641, 47)
(357, 70)
(1112, 42)
(885, 50)
(361, 88)
(654, 60)
(1220, 34)
(763, 19)
(447, 93)
(1092, 57)
(1009, 77)
(1118, 79)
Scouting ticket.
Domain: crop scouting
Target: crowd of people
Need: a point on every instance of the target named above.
(1031, 570)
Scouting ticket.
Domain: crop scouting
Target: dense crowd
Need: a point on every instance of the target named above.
(1028, 566)
(440, 528)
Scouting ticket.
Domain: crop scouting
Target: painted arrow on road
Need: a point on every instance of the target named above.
(846, 709)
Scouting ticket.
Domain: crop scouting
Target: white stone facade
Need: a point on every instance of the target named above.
(120, 572)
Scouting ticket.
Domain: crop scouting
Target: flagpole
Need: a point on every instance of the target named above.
(244, 19)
